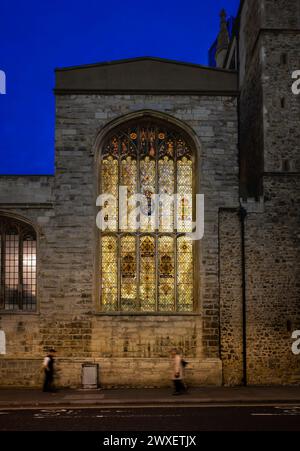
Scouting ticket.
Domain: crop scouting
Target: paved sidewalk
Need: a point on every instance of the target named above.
(148, 397)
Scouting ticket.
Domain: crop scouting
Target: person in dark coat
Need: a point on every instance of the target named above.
(48, 366)
(177, 372)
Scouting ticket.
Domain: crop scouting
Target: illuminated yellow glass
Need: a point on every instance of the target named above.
(185, 193)
(109, 273)
(166, 185)
(166, 291)
(185, 276)
(148, 189)
(129, 180)
(147, 274)
(129, 300)
(110, 186)
(150, 267)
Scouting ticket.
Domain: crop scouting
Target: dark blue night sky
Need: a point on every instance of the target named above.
(36, 36)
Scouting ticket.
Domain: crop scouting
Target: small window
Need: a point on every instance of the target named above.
(17, 265)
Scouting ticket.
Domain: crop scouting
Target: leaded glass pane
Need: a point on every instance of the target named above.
(11, 272)
(29, 273)
(129, 180)
(17, 265)
(183, 150)
(185, 277)
(128, 274)
(109, 273)
(148, 142)
(185, 193)
(166, 182)
(147, 274)
(148, 190)
(166, 291)
(112, 148)
(110, 186)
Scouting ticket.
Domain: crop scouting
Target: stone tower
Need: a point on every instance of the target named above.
(268, 54)
(267, 42)
(223, 41)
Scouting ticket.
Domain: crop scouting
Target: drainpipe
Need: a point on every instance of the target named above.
(243, 215)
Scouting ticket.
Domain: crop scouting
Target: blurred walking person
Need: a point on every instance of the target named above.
(48, 366)
(177, 372)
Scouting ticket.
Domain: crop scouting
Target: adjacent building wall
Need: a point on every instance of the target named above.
(272, 245)
(272, 225)
(231, 296)
(251, 100)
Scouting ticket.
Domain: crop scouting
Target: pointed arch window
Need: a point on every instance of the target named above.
(17, 265)
(149, 268)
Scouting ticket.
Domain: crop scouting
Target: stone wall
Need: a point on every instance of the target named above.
(281, 106)
(269, 137)
(272, 245)
(112, 373)
(282, 14)
(68, 314)
(231, 297)
(27, 190)
(269, 111)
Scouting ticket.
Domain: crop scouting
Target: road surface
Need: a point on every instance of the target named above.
(177, 418)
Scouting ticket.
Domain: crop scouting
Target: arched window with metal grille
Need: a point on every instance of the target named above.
(18, 255)
(147, 267)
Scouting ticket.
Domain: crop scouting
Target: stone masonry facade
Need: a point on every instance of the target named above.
(248, 263)
(269, 42)
(131, 350)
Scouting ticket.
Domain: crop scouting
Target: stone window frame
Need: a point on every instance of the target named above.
(166, 120)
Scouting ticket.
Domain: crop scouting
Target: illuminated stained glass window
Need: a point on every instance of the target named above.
(109, 273)
(147, 267)
(184, 273)
(17, 265)
(128, 274)
(147, 282)
(166, 283)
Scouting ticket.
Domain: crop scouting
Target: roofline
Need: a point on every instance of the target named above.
(66, 92)
(19, 174)
(143, 58)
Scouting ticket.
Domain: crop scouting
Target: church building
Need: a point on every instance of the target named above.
(223, 141)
